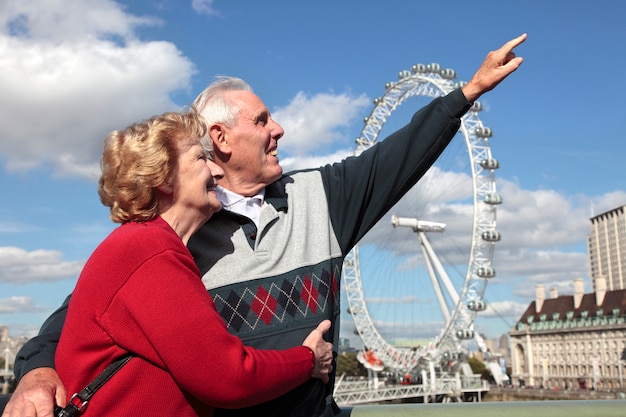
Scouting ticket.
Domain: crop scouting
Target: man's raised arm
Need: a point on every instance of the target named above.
(498, 65)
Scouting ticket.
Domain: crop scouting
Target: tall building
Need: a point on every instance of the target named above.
(606, 246)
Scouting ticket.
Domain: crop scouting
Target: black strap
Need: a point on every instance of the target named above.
(79, 401)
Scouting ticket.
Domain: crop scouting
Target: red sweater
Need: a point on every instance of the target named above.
(141, 292)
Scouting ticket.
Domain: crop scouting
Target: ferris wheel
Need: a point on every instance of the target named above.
(426, 264)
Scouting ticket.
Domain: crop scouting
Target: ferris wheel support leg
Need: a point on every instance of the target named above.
(433, 377)
(441, 271)
(481, 344)
(372, 377)
(435, 282)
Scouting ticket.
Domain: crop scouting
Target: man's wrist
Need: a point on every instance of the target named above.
(41, 360)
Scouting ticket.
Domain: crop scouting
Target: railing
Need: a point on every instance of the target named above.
(565, 408)
(364, 392)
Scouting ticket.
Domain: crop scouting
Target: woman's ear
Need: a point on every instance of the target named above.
(165, 189)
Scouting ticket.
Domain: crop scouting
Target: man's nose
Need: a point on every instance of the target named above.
(277, 130)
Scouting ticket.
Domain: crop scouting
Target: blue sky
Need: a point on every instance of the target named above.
(72, 70)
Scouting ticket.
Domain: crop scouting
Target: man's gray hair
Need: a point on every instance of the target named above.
(212, 105)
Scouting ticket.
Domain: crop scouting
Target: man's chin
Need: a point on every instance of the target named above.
(278, 172)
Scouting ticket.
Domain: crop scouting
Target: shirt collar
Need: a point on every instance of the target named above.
(228, 198)
(231, 200)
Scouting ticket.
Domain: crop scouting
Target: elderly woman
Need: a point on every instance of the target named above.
(140, 291)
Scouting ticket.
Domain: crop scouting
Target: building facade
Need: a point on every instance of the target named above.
(571, 341)
(606, 245)
(8, 349)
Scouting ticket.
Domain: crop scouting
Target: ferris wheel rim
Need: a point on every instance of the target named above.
(431, 81)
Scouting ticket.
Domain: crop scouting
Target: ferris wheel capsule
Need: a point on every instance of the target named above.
(486, 272)
(448, 74)
(493, 199)
(389, 85)
(491, 235)
(476, 107)
(404, 74)
(372, 121)
(434, 67)
(489, 163)
(477, 305)
(418, 68)
(483, 132)
(465, 334)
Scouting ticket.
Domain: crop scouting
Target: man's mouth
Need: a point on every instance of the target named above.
(274, 152)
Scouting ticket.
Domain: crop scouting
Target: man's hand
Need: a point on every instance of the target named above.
(323, 351)
(35, 395)
(495, 68)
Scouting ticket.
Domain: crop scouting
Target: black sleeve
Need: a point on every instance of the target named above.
(360, 190)
(39, 351)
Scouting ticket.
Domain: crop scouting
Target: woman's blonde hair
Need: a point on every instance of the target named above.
(142, 157)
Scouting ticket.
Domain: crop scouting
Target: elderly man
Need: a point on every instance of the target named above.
(272, 257)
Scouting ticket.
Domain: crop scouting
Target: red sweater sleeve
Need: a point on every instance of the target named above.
(164, 313)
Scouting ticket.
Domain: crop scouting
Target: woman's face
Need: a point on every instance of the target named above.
(194, 184)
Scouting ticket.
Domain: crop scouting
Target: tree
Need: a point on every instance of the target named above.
(479, 368)
(348, 364)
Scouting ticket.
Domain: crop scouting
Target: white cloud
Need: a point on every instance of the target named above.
(72, 72)
(409, 299)
(539, 267)
(540, 218)
(303, 162)
(19, 305)
(12, 226)
(606, 202)
(504, 308)
(544, 235)
(390, 330)
(19, 266)
(313, 123)
(68, 20)
(204, 7)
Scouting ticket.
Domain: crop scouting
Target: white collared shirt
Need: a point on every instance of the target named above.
(246, 206)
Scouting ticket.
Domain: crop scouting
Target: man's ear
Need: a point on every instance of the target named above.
(218, 137)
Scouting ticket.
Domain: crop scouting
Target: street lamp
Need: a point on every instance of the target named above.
(6, 353)
(619, 368)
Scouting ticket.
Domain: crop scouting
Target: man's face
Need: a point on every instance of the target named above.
(252, 140)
